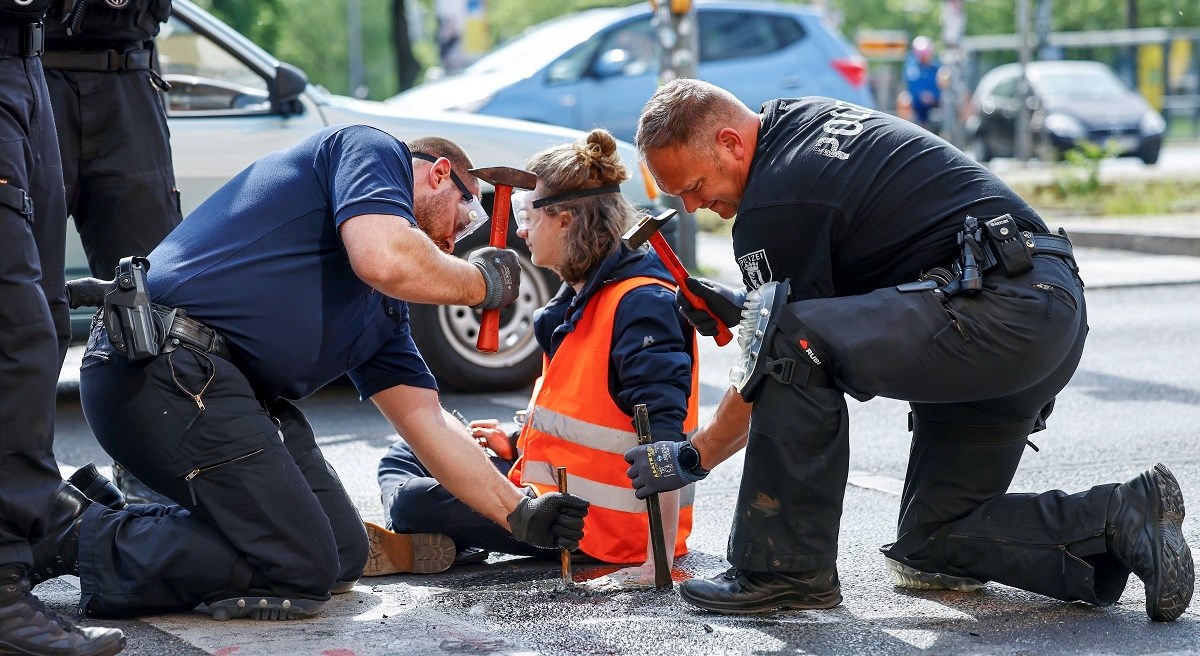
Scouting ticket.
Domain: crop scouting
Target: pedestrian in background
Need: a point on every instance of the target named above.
(921, 67)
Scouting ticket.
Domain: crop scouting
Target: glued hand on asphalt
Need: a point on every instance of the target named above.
(551, 521)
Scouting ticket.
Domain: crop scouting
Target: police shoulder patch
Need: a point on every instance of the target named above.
(756, 268)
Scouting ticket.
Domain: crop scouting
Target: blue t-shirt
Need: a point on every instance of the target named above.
(262, 263)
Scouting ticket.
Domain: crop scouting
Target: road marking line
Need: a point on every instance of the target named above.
(886, 484)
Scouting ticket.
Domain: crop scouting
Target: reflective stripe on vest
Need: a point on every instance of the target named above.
(543, 477)
(576, 424)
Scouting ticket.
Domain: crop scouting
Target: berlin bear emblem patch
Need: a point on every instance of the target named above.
(756, 269)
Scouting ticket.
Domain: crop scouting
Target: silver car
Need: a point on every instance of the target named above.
(232, 102)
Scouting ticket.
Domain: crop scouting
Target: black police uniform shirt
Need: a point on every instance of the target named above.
(262, 263)
(14, 12)
(844, 200)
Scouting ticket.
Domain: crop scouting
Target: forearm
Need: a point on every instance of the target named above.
(433, 278)
(446, 448)
(399, 260)
(726, 433)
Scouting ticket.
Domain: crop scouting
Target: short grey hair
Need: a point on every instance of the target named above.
(682, 110)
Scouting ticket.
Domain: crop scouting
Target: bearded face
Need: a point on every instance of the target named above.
(437, 214)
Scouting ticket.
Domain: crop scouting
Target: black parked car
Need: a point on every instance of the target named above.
(1072, 102)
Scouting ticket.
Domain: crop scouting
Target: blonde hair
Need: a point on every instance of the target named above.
(598, 221)
(685, 111)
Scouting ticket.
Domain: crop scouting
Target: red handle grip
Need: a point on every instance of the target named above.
(680, 274)
(489, 324)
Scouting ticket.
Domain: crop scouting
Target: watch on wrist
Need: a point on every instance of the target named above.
(689, 458)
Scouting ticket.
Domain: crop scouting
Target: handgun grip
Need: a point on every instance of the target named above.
(87, 292)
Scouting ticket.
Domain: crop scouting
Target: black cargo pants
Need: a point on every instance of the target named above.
(259, 508)
(116, 156)
(981, 374)
(34, 326)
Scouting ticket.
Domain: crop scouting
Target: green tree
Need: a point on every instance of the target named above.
(260, 20)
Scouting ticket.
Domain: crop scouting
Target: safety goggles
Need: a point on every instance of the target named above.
(523, 202)
(471, 214)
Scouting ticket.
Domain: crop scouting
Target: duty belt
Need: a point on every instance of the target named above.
(181, 329)
(98, 60)
(26, 40)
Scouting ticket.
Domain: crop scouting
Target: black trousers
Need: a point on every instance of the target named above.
(116, 155)
(981, 374)
(259, 507)
(415, 502)
(34, 327)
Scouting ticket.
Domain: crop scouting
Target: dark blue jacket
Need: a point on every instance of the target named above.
(651, 350)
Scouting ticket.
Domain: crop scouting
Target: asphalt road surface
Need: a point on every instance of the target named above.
(1135, 401)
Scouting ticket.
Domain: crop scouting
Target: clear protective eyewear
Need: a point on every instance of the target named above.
(523, 202)
(522, 209)
(471, 214)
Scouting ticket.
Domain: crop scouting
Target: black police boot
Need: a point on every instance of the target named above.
(1144, 532)
(58, 552)
(741, 592)
(28, 627)
(96, 487)
(134, 490)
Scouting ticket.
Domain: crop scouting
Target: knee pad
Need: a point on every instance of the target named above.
(775, 343)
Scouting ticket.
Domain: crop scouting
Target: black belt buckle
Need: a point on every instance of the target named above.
(1014, 248)
(33, 40)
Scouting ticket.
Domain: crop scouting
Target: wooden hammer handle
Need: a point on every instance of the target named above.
(680, 274)
(489, 324)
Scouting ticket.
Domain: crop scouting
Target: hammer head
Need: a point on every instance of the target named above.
(506, 176)
(638, 234)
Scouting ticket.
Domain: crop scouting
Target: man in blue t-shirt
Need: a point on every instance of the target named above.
(294, 273)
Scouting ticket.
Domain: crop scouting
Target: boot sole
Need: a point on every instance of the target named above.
(7, 649)
(914, 579)
(1171, 592)
(264, 608)
(782, 602)
(407, 553)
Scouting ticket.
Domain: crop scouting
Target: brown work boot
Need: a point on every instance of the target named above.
(1144, 532)
(418, 553)
(29, 628)
(58, 552)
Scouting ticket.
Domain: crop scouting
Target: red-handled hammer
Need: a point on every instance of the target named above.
(648, 229)
(503, 178)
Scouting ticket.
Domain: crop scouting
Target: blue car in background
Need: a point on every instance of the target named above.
(597, 68)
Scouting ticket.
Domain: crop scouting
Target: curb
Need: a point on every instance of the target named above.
(1125, 241)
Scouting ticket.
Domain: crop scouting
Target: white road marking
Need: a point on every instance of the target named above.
(876, 482)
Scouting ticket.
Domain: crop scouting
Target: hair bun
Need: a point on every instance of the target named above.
(599, 153)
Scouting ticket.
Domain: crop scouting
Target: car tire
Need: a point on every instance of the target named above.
(446, 334)
(1149, 156)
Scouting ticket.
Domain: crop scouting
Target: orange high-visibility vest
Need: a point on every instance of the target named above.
(576, 424)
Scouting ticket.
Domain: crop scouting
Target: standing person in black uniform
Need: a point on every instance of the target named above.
(101, 69)
(294, 273)
(895, 292)
(112, 127)
(32, 220)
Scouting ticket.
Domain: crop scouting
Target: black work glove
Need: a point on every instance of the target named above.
(655, 468)
(725, 303)
(551, 521)
(501, 269)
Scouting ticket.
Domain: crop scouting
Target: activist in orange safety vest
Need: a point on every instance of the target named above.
(612, 339)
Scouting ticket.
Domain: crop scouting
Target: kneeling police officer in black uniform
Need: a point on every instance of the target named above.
(32, 223)
(881, 261)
